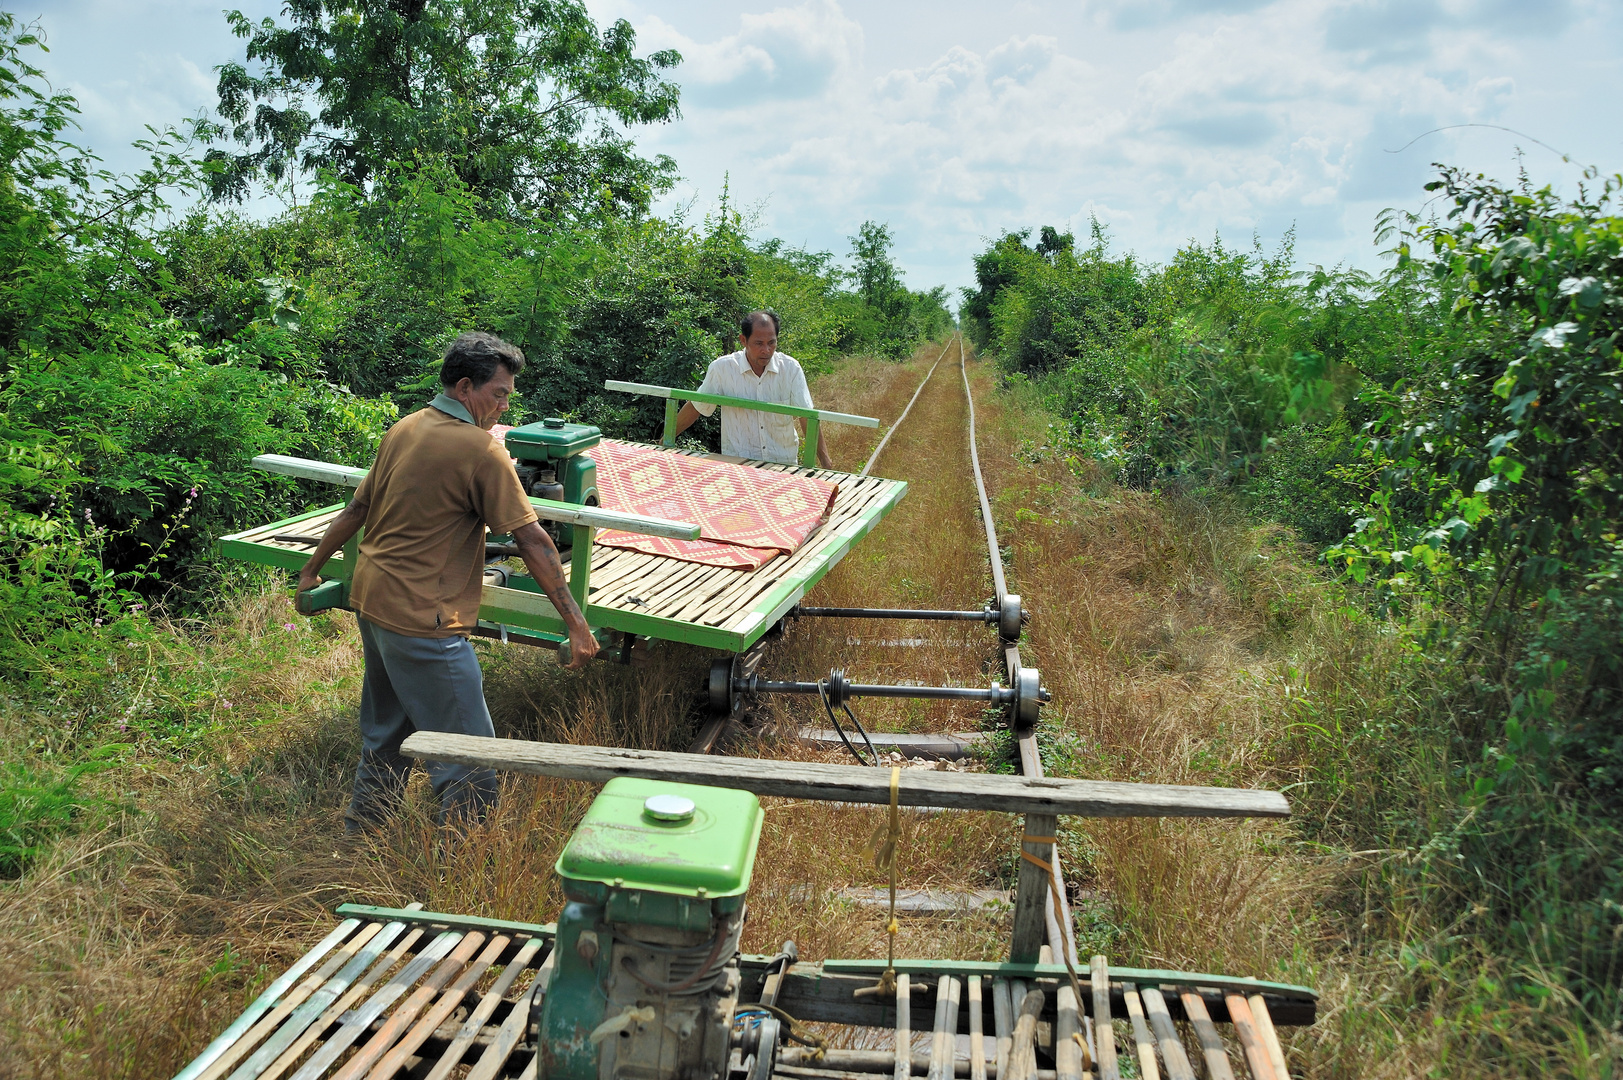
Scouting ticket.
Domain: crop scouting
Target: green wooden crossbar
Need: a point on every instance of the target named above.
(814, 417)
(415, 917)
(1008, 970)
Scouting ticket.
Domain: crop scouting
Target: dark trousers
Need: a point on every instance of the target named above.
(418, 684)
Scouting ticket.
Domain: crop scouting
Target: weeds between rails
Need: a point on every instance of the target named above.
(1175, 633)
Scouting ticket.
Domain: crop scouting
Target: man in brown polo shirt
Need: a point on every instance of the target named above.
(439, 480)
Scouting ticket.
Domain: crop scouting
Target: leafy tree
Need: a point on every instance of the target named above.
(522, 97)
(1512, 438)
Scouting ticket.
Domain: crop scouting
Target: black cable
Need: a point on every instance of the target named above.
(828, 707)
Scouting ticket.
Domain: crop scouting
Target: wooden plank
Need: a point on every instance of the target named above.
(306, 469)
(247, 1038)
(1261, 1015)
(362, 986)
(748, 404)
(1245, 1030)
(1218, 1066)
(850, 783)
(1067, 1053)
(358, 1021)
(904, 1033)
(1032, 892)
(396, 1059)
(1104, 1036)
(465, 1036)
(977, 1037)
(1023, 1047)
(1166, 1036)
(1143, 1043)
(401, 1020)
(314, 1006)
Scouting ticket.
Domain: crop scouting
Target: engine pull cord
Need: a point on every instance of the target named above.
(793, 1031)
(1067, 945)
(883, 845)
(828, 707)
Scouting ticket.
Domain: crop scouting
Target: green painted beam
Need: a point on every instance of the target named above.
(1005, 970)
(673, 394)
(413, 917)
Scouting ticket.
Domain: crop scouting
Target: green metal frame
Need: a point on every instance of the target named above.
(1011, 970)
(521, 609)
(814, 418)
(929, 968)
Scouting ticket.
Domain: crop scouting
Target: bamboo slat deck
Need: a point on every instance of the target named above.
(395, 992)
(649, 594)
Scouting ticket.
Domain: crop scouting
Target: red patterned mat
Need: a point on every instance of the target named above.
(746, 516)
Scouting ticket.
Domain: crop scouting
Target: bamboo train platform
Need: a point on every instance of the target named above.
(392, 992)
(631, 592)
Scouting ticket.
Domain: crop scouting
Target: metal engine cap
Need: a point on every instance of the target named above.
(668, 808)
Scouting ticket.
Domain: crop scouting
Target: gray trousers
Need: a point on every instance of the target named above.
(418, 684)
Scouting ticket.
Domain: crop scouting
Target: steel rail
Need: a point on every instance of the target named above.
(875, 455)
(1061, 938)
(980, 484)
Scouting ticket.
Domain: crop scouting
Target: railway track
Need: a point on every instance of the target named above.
(1057, 917)
(621, 881)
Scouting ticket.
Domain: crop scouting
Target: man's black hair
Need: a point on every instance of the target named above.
(476, 355)
(748, 323)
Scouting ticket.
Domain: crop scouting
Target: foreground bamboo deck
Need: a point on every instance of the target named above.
(393, 991)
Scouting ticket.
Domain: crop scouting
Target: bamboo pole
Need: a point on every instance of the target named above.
(1023, 1047)
(1265, 1032)
(977, 1039)
(1104, 1036)
(1211, 1043)
(904, 1033)
(1143, 1042)
(1172, 1051)
(1003, 1018)
(487, 1005)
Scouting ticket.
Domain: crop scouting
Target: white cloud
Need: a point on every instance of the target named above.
(790, 53)
(1168, 119)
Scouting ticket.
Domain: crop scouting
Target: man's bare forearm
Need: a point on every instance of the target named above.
(686, 417)
(541, 557)
(342, 527)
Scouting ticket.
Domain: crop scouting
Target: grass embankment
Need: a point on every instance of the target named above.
(1183, 644)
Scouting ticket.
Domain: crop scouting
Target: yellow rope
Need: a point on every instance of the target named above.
(883, 845)
(1059, 909)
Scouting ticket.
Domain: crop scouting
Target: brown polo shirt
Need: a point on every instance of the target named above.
(437, 482)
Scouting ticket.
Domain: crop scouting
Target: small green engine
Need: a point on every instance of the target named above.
(645, 978)
(552, 460)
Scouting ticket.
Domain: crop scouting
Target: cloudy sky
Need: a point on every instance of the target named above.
(954, 121)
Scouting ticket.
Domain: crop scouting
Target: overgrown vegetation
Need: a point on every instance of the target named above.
(153, 341)
(1449, 436)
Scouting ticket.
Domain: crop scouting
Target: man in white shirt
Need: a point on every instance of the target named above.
(760, 372)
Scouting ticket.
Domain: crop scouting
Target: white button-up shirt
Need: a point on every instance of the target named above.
(744, 432)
